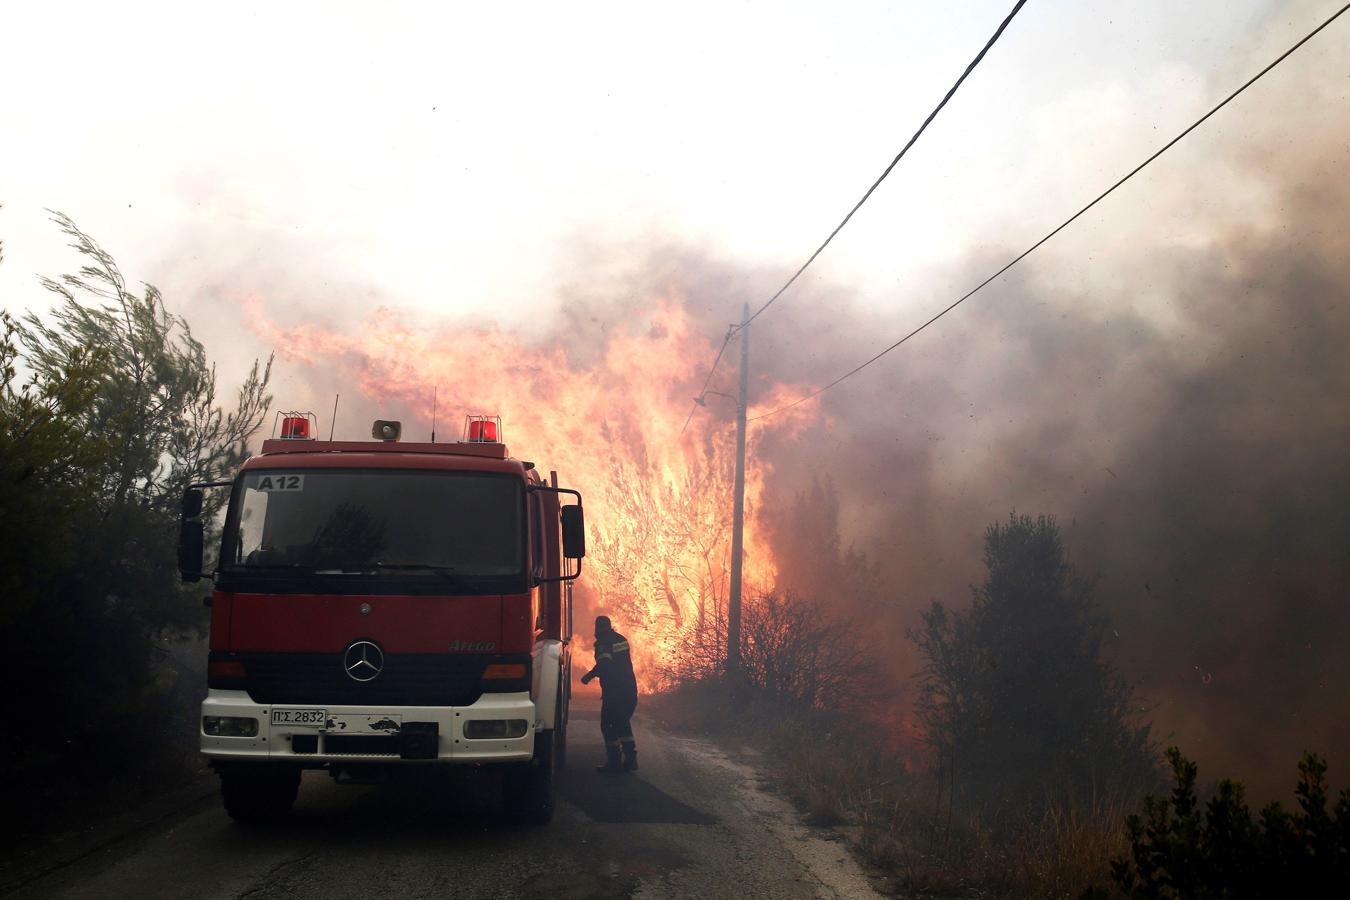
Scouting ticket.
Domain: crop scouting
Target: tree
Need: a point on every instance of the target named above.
(1016, 700)
(158, 397)
(662, 551)
(1181, 847)
(47, 466)
(119, 414)
(813, 560)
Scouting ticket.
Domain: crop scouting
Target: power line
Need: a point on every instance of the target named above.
(698, 401)
(903, 150)
(1025, 253)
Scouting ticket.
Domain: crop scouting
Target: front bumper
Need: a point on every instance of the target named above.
(278, 743)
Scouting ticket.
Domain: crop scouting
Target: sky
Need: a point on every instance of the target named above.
(452, 157)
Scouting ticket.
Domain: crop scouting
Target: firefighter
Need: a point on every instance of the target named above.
(614, 668)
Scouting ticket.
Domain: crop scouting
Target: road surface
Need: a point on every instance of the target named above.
(693, 823)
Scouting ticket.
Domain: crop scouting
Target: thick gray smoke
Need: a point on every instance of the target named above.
(1178, 400)
(1184, 417)
(1196, 451)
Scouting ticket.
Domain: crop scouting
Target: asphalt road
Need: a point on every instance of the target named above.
(695, 822)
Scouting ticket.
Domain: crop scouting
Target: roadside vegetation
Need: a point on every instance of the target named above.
(1028, 757)
(1184, 845)
(1034, 775)
(108, 408)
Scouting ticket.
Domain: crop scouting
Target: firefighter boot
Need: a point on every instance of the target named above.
(629, 756)
(611, 760)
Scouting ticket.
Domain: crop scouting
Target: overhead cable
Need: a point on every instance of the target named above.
(698, 401)
(899, 156)
(1025, 253)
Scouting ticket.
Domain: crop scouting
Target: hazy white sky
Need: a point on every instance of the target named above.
(451, 156)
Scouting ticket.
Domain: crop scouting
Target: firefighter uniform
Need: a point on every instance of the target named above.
(614, 668)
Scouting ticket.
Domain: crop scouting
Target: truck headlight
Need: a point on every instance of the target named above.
(488, 729)
(229, 726)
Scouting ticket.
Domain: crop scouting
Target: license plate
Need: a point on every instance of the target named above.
(302, 718)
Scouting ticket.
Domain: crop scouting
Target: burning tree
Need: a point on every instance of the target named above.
(797, 653)
(1015, 697)
(660, 498)
(661, 551)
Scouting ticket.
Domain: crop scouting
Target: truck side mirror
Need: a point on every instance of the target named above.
(192, 503)
(573, 532)
(190, 538)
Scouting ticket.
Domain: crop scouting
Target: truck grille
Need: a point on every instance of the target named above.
(408, 679)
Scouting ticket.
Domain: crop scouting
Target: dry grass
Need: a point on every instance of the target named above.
(902, 823)
(1063, 852)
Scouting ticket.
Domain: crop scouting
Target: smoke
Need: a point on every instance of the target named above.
(1193, 448)
(1168, 381)
(1192, 443)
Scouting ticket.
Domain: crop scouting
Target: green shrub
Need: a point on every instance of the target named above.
(1182, 848)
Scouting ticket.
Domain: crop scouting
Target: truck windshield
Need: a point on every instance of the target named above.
(334, 521)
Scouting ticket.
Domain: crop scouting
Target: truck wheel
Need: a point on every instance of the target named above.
(258, 794)
(531, 788)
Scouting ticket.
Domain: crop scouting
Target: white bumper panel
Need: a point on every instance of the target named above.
(276, 742)
(546, 669)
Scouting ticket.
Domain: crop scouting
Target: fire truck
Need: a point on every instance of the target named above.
(386, 604)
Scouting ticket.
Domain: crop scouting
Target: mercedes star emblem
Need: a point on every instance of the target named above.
(365, 609)
(364, 661)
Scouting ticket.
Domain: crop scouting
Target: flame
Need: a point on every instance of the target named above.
(658, 501)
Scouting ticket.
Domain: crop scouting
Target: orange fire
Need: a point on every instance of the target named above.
(658, 501)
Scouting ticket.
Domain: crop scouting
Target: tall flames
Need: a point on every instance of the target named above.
(608, 420)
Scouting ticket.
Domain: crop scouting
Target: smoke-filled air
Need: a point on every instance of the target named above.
(1042, 583)
(1196, 465)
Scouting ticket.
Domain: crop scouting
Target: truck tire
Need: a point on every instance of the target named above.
(255, 795)
(532, 788)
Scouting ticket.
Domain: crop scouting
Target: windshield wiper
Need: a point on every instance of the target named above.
(290, 567)
(446, 571)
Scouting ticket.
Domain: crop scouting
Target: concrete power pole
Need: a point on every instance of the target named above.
(738, 516)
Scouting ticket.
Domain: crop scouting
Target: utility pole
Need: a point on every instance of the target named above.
(738, 516)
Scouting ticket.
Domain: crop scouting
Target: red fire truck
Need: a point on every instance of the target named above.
(386, 603)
